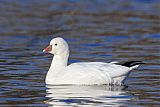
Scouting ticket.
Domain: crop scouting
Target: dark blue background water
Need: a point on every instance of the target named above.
(96, 30)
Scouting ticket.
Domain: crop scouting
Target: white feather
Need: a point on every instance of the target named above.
(85, 73)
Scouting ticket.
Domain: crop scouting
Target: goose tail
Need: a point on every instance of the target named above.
(132, 64)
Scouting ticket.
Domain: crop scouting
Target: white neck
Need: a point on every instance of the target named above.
(57, 65)
(59, 61)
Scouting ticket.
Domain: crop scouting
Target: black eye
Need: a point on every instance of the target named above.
(56, 44)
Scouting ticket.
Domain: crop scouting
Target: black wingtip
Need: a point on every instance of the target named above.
(132, 63)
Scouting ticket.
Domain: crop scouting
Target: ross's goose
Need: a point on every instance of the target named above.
(84, 73)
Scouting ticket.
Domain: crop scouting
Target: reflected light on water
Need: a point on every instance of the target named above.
(62, 96)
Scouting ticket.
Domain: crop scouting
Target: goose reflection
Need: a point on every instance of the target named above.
(73, 96)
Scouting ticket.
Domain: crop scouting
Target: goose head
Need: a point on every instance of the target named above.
(57, 46)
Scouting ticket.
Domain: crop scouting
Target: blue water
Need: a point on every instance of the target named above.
(96, 31)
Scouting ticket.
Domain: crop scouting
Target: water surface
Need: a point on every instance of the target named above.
(96, 31)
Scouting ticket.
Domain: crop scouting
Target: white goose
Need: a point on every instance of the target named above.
(84, 73)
